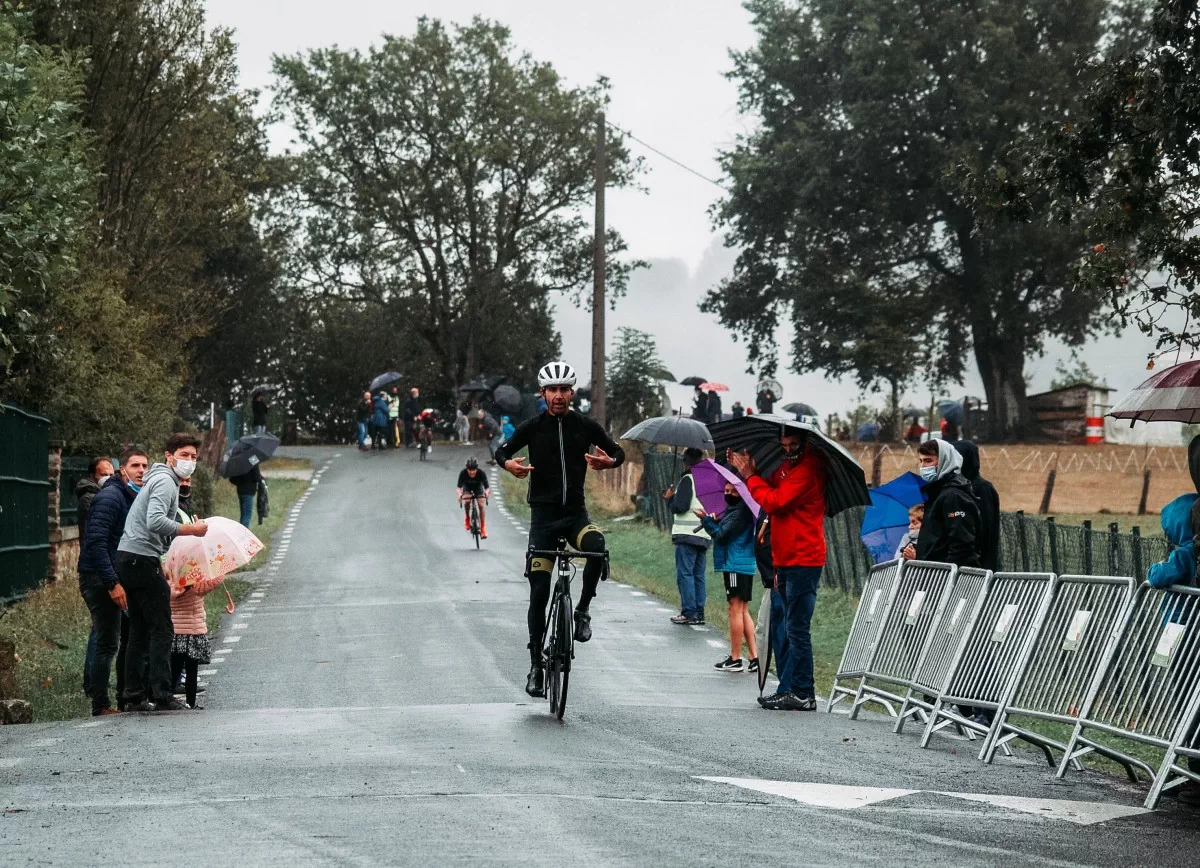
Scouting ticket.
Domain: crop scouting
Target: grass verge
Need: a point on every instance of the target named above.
(50, 627)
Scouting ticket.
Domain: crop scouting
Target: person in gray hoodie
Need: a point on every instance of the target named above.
(149, 529)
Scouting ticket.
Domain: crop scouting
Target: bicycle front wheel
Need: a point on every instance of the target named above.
(560, 658)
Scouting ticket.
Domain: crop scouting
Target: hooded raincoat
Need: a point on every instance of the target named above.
(1180, 566)
(950, 531)
(988, 501)
(1194, 468)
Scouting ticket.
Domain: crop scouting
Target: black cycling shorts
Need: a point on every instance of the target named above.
(549, 524)
(739, 586)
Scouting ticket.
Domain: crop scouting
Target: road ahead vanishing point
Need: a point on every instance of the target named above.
(365, 707)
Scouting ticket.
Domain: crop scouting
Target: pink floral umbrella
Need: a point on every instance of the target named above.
(1171, 395)
(225, 547)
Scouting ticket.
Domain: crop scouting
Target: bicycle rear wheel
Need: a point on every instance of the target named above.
(560, 657)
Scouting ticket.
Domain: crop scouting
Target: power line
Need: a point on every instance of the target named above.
(667, 157)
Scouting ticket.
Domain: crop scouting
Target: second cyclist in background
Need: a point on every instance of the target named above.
(473, 485)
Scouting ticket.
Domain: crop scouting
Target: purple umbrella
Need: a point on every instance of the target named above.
(710, 486)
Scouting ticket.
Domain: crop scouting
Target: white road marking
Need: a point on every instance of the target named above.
(46, 742)
(663, 609)
(699, 627)
(240, 626)
(848, 798)
(460, 768)
(229, 639)
(636, 594)
(207, 672)
(715, 643)
(7, 762)
(1080, 813)
(247, 614)
(90, 724)
(819, 795)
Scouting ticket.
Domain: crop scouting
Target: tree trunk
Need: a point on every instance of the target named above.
(897, 432)
(1002, 367)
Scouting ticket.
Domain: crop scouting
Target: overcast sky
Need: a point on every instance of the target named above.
(666, 61)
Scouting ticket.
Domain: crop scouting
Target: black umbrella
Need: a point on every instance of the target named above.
(475, 386)
(800, 409)
(507, 399)
(914, 412)
(952, 412)
(384, 380)
(247, 453)
(693, 381)
(678, 431)
(846, 486)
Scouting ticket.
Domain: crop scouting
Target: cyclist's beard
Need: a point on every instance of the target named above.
(559, 405)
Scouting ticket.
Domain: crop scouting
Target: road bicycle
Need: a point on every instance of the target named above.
(475, 520)
(559, 648)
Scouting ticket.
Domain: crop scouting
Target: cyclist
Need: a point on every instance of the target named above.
(473, 485)
(559, 441)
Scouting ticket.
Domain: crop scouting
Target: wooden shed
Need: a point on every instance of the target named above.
(1072, 414)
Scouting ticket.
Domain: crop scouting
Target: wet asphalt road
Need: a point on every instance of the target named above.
(367, 708)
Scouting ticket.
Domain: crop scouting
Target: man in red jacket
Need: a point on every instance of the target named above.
(794, 498)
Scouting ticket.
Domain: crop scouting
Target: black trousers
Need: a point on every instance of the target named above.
(106, 624)
(148, 656)
(181, 663)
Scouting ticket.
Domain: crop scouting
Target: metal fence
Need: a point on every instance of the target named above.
(74, 468)
(24, 500)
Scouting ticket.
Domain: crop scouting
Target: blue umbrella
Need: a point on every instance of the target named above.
(868, 432)
(886, 519)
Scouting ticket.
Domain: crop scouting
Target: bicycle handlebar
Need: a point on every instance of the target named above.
(570, 553)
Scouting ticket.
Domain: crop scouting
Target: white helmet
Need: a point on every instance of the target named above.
(556, 374)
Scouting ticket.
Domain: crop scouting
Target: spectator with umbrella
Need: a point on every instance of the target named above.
(888, 520)
(393, 399)
(798, 476)
(691, 544)
(492, 433)
(412, 410)
(240, 465)
(379, 421)
(731, 527)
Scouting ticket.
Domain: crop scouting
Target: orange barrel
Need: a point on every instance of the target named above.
(1095, 430)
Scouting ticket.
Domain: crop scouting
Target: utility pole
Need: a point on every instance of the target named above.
(598, 268)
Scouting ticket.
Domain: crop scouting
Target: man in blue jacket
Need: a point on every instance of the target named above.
(98, 581)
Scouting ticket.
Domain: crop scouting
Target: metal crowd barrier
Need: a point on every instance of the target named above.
(1148, 689)
(920, 596)
(1070, 647)
(996, 646)
(873, 606)
(947, 644)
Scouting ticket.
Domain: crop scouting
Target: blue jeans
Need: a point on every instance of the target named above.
(103, 642)
(246, 501)
(798, 586)
(362, 435)
(690, 564)
(779, 641)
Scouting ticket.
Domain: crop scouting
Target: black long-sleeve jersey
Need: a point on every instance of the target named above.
(557, 446)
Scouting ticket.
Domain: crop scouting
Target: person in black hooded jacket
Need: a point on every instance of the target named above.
(988, 500)
(950, 532)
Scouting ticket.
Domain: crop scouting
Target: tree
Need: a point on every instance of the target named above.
(45, 193)
(1129, 164)
(171, 248)
(448, 179)
(1078, 372)
(870, 116)
(635, 375)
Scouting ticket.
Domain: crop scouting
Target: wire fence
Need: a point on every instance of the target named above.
(1027, 544)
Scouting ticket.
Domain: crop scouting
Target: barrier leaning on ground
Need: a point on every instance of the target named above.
(1091, 651)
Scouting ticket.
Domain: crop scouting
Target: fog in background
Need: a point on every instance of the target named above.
(666, 62)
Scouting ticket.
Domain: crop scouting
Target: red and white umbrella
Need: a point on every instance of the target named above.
(714, 387)
(1171, 395)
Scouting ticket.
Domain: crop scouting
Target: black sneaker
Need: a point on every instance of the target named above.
(143, 707)
(583, 626)
(753, 667)
(171, 704)
(763, 700)
(730, 665)
(792, 702)
(535, 684)
(681, 619)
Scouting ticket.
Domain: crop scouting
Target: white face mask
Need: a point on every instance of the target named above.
(184, 468)
(103, 479)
